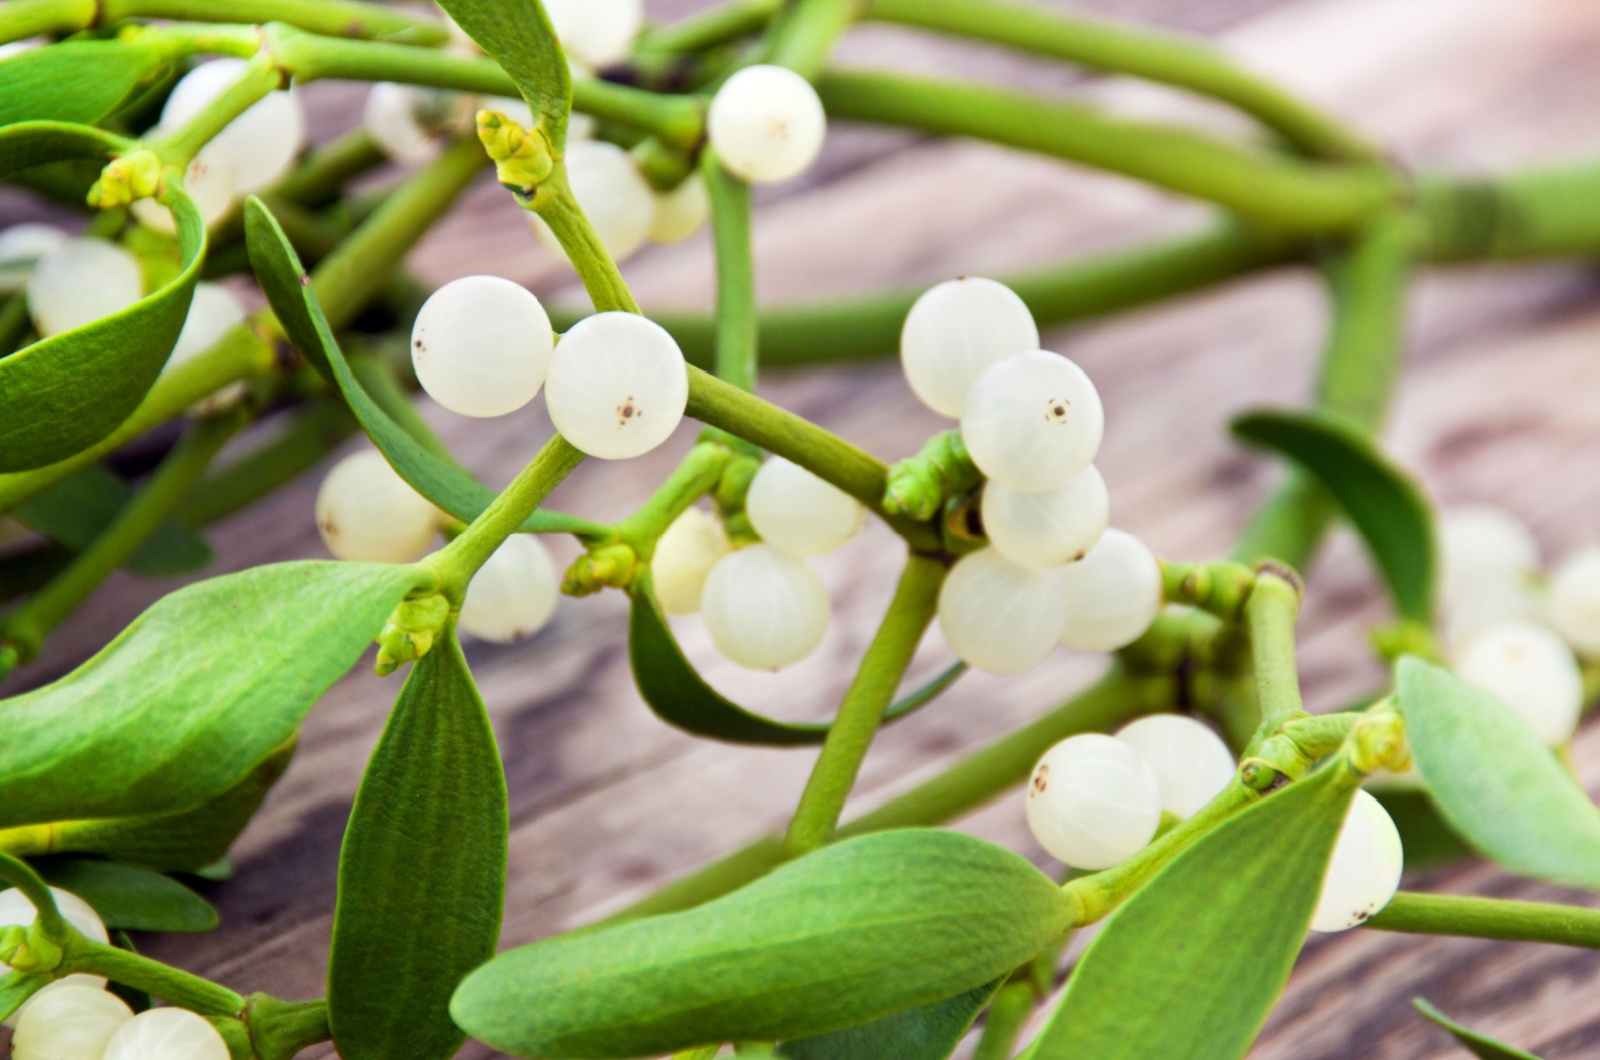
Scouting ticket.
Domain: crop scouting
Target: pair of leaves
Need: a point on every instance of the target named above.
(1385, 505)
(75, 81)
(67, 392)
(130, 898)
(929, 1032)
(853, 933)
(518, 35)
(1480, 1045)
(77, 509)
(422, 871)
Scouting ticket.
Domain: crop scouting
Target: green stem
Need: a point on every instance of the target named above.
(1270, 613)
(804, 33)
(1007, 1014)
(693, 479)
(1489, 918)
(280, 1030)
(711, 27)
(861, 712)
(1143, 53)
(737, 318)
(171, 985)
(1271, 189)
(1221, 588)
(1549, 212)
(17, 873)
(321, 178)
(334, 18)
(20, 19)
(311, 434)
(558, 206)
(259, 78)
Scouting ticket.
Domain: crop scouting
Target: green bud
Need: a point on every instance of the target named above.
(605, 566)
(136, 175)
(523, 158)
(941, 471)
(410, 632)
(1379, 742)
(28, 950)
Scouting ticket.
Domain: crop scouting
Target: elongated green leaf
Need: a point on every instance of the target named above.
(75, 510)
(929, 1032)
(436, 477)
(191, 696)
(1499, 787)
(74, 81)
(129, 897)
(847, 935)
(64, 393)
(517, 34)
(1192, 964)
(677, 693)
(1384, 503)
(422, 873)
(1477, 1044)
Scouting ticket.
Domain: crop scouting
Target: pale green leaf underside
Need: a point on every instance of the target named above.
(517, 34)
(130, 898)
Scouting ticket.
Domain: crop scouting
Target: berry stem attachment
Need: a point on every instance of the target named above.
(1221, 588)
(919, 486)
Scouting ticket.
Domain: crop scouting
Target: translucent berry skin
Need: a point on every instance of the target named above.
(261, 143)
(210, 183)
(1046, 530)
(213, 312)
(682, 211)
(796, 512)
(763, 608)
(1032, 421)
(617, 386)
(999, 617)
(166, 1034)
(368, 513)
(1575, 600)
(1365, 870)
(68, 1023)
(956, 330)
(21, 247)
(513, 594)
(1531, 670)
(1483, 550)
(614, 196)
(1190, 762)
(598, 32)
(1093, 802)
(81, 281)
(391, 117)
(481, 346)
(766, 124)
(684, 557)
(1112, 594)
(17, 911)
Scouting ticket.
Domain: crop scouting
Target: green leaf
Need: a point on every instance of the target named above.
(129, 897)
(1385, 504)
(193, 694)
(1497, 784)
(1192, 964)
(517, 34)
(850, 934)
(75, 510)
(677, 693)
(1425, 835)
(65, 393)
(1475, 1043)
(74, 81)
(433, 475)
(422, 872)
(929, 1032)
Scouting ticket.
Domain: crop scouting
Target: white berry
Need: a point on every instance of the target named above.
(1032, 421)
(1365, 869)
(999, 617)
(1048, 529)
(1531, 670)
(1093, 801)
(1483, 550)
(617, 386)
(599, 32)
(766, 124)
(261, 143)
(481, 346)
(213, 312)
(392, 116)
(68, 1023)
(21, 247)
(955, 331)
(1112, 594)
(167, 1034)
(684, 556)
(619, 203)
(681, 211)
(210, 183)
(797, 512)
(17, 911)
(1575, 600)
(513, 594)
(81, 281)
(1190, 762)
(764, 609)
(366, 512)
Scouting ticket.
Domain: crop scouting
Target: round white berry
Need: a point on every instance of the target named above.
(21, 247)
(209, 182)
(1531, 670)
(798, 513)
(1093, 801)
(366, 512)
(481, 346)
(213, 312)
(166, 1034)
(1032, 421)
(955, 331)
(1491, 602)
(682, 211)
(261, 143)
(1575, 600)
(617, 386)
(1365, 870)
(764, 609)
(81, 281)
(68, 1023)
(1000, 617)
(766, 124)
(619, 203)
(599, 32)
(17, 911)
(513, 594)
(1049, 529)
(392, 116)
(1483, 550)
(1112, 594)
(684, 556)
(1190, 762)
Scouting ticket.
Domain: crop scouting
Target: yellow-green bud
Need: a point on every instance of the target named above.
(136, 175)
(523, 158)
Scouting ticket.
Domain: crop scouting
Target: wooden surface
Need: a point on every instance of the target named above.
(1499, 405)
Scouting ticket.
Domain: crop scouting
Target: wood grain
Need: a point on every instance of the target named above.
(1499, 405)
